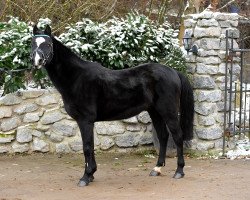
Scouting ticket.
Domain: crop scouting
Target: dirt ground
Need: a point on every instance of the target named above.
(49, 177)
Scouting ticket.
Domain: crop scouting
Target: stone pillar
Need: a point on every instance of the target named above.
(207, 70)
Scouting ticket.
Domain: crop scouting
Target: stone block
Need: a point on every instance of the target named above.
(225, 16)
(5, 111)
(230, 45)
(209, 133)
(212, 60)
(41, 127)
(207, 23)
(31, 117)
(191, 58)
(6, 138)
(65, 128)
(25, 108)
(205, 108)
(206, 69)
(222, 54)
(40, 145)
(133, 127)
(206, 53)
(62, 148)
(146, 138)
(37, 133)
(204, 145)
(234, 23)
(51, 117)
(144, 117)
(222, 69)
(96, 139)
(191, 68)
(131, 120)
(203, 82)
(207, 32)
(209, 43)
(106, 143)
(20, 148)
(10, 123)
(76, 145)
(56, 137)
(10, 99)
(128, 139)
(47, 100)
(209, 96)
(24, 134)
(225, 24)
(109, 128)
(206, 120)
(218, 144)
(30, 94)
(221, 106)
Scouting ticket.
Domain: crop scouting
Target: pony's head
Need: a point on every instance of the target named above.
(41, 47)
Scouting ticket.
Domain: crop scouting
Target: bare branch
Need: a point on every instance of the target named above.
(227, 4)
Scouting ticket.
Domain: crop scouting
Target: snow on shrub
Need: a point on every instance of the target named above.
(116, 44)
(124, 43)
(15, 42)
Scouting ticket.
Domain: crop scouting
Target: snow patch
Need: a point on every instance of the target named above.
(242, 150)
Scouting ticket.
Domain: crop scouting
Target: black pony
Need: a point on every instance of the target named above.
(93, 93)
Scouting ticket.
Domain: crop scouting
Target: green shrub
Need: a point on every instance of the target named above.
(116, 44)
(124, 43)
(15, 65)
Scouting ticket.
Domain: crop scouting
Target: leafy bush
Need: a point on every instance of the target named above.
(124, 43)
(15, 41)
(116, 44)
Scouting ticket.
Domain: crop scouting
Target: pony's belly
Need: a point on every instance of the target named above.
(118, 114)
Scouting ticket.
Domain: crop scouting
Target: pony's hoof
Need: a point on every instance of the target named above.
(178, 175)
(82, 183)
(154, 173)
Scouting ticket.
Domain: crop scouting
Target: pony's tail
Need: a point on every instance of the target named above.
(186, 108)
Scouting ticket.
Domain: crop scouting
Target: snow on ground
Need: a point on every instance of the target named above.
(242, 150)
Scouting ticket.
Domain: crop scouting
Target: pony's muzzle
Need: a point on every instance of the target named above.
(38, 59)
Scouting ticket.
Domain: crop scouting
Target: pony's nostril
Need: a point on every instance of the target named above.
(40, 61)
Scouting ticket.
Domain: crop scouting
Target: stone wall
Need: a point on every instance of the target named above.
(35, 120)
(208, 74)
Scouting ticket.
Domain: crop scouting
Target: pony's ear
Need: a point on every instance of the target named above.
(47, 30)
(35, 30)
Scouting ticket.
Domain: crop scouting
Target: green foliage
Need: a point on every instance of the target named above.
(15, 41)
(124, 43)
(116, 44)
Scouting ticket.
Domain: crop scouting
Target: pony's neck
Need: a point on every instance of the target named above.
(64, 67)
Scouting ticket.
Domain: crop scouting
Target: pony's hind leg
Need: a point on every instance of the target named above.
(177, 135)
(162, 135)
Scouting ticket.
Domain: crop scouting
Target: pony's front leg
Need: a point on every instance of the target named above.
(86, 129)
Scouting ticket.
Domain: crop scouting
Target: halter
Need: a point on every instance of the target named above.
(42, 35)
(45, 56)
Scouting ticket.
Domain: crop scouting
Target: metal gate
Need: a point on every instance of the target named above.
(237, 92)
